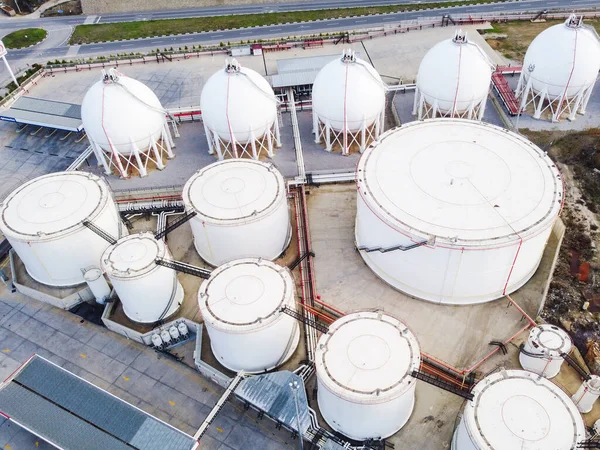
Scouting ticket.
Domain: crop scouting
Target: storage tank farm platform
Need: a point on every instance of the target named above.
(367, 274)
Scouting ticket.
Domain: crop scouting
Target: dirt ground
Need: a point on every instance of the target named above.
(573, 301)
(511, 39)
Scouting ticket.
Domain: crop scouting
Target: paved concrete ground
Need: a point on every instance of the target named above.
(169, 390)
(24, 156)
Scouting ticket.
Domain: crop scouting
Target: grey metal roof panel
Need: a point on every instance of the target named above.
(96, 411)
(51, 107)
(289, 79)
(272, 394)
(304, 63)
(45, 113)
(52, 423)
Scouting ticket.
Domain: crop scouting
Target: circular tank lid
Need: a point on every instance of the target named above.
(245, 294)
(234, 190)
(92, 274)
(53, 205)
(133, 255)
(461, 182)
(550, 340)
(519, 409)
(367, 357)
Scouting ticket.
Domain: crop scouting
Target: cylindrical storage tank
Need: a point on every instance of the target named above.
(364, 365)
(148, 292)
(455, 211)
(348, 95)
(43, 221)
(542, 351)
(516, 409)
(239, 111)
(242, 211)
(97, 284)
(574, 62)
(119, 112)
(241, 306)
(587, 394)
(453, 80)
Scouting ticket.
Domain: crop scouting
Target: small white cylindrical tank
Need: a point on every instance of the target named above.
(455, 211)
(453, 80)
(541, 352)
(242, 211)
(148, 292)
(516, 409)
(43, 221)
(587, 394)
(364, 366)
(97, 284)
(241, 306)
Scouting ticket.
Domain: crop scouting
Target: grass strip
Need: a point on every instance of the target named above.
(24, 38)
(87, 34)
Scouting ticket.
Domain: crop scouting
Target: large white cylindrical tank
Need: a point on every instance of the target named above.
(563, 59)
(348, 93)
(454, 77)
(587, 394)
(238, 104)
(241, 306)
(542, 351)
(455, 211)
(43, 221)
(364, 366)
(97, 284)
(121, 111)
(515, 409)
(148, 292)
(242, 211)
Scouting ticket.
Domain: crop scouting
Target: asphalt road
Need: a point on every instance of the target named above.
(56, 46)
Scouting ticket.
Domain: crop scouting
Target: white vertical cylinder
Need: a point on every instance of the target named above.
(97, 284)
(587, 394)
(543, 350)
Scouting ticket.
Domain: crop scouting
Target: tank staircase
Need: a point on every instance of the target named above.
(100, 232)
(183, 267)
(219, 405)
(167, 229)
(504, 91)
(589, 444)
(446, 386)
(403, 248)
(306, 320)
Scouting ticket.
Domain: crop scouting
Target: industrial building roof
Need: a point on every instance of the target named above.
(70, 413)
(299, 71)
(44, 113)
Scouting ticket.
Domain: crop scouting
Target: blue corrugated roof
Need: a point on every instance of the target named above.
(73, 414)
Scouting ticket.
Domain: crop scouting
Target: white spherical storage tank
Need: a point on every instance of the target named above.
(542, 351)
(43, 221)
(455, 211)
(239, 110)
(348, 98)
(126, 125)
(364, 365)
(453, 80)
(560, 69)
(242, 211)
(515, 409)
(241, 306)
(148, 292)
